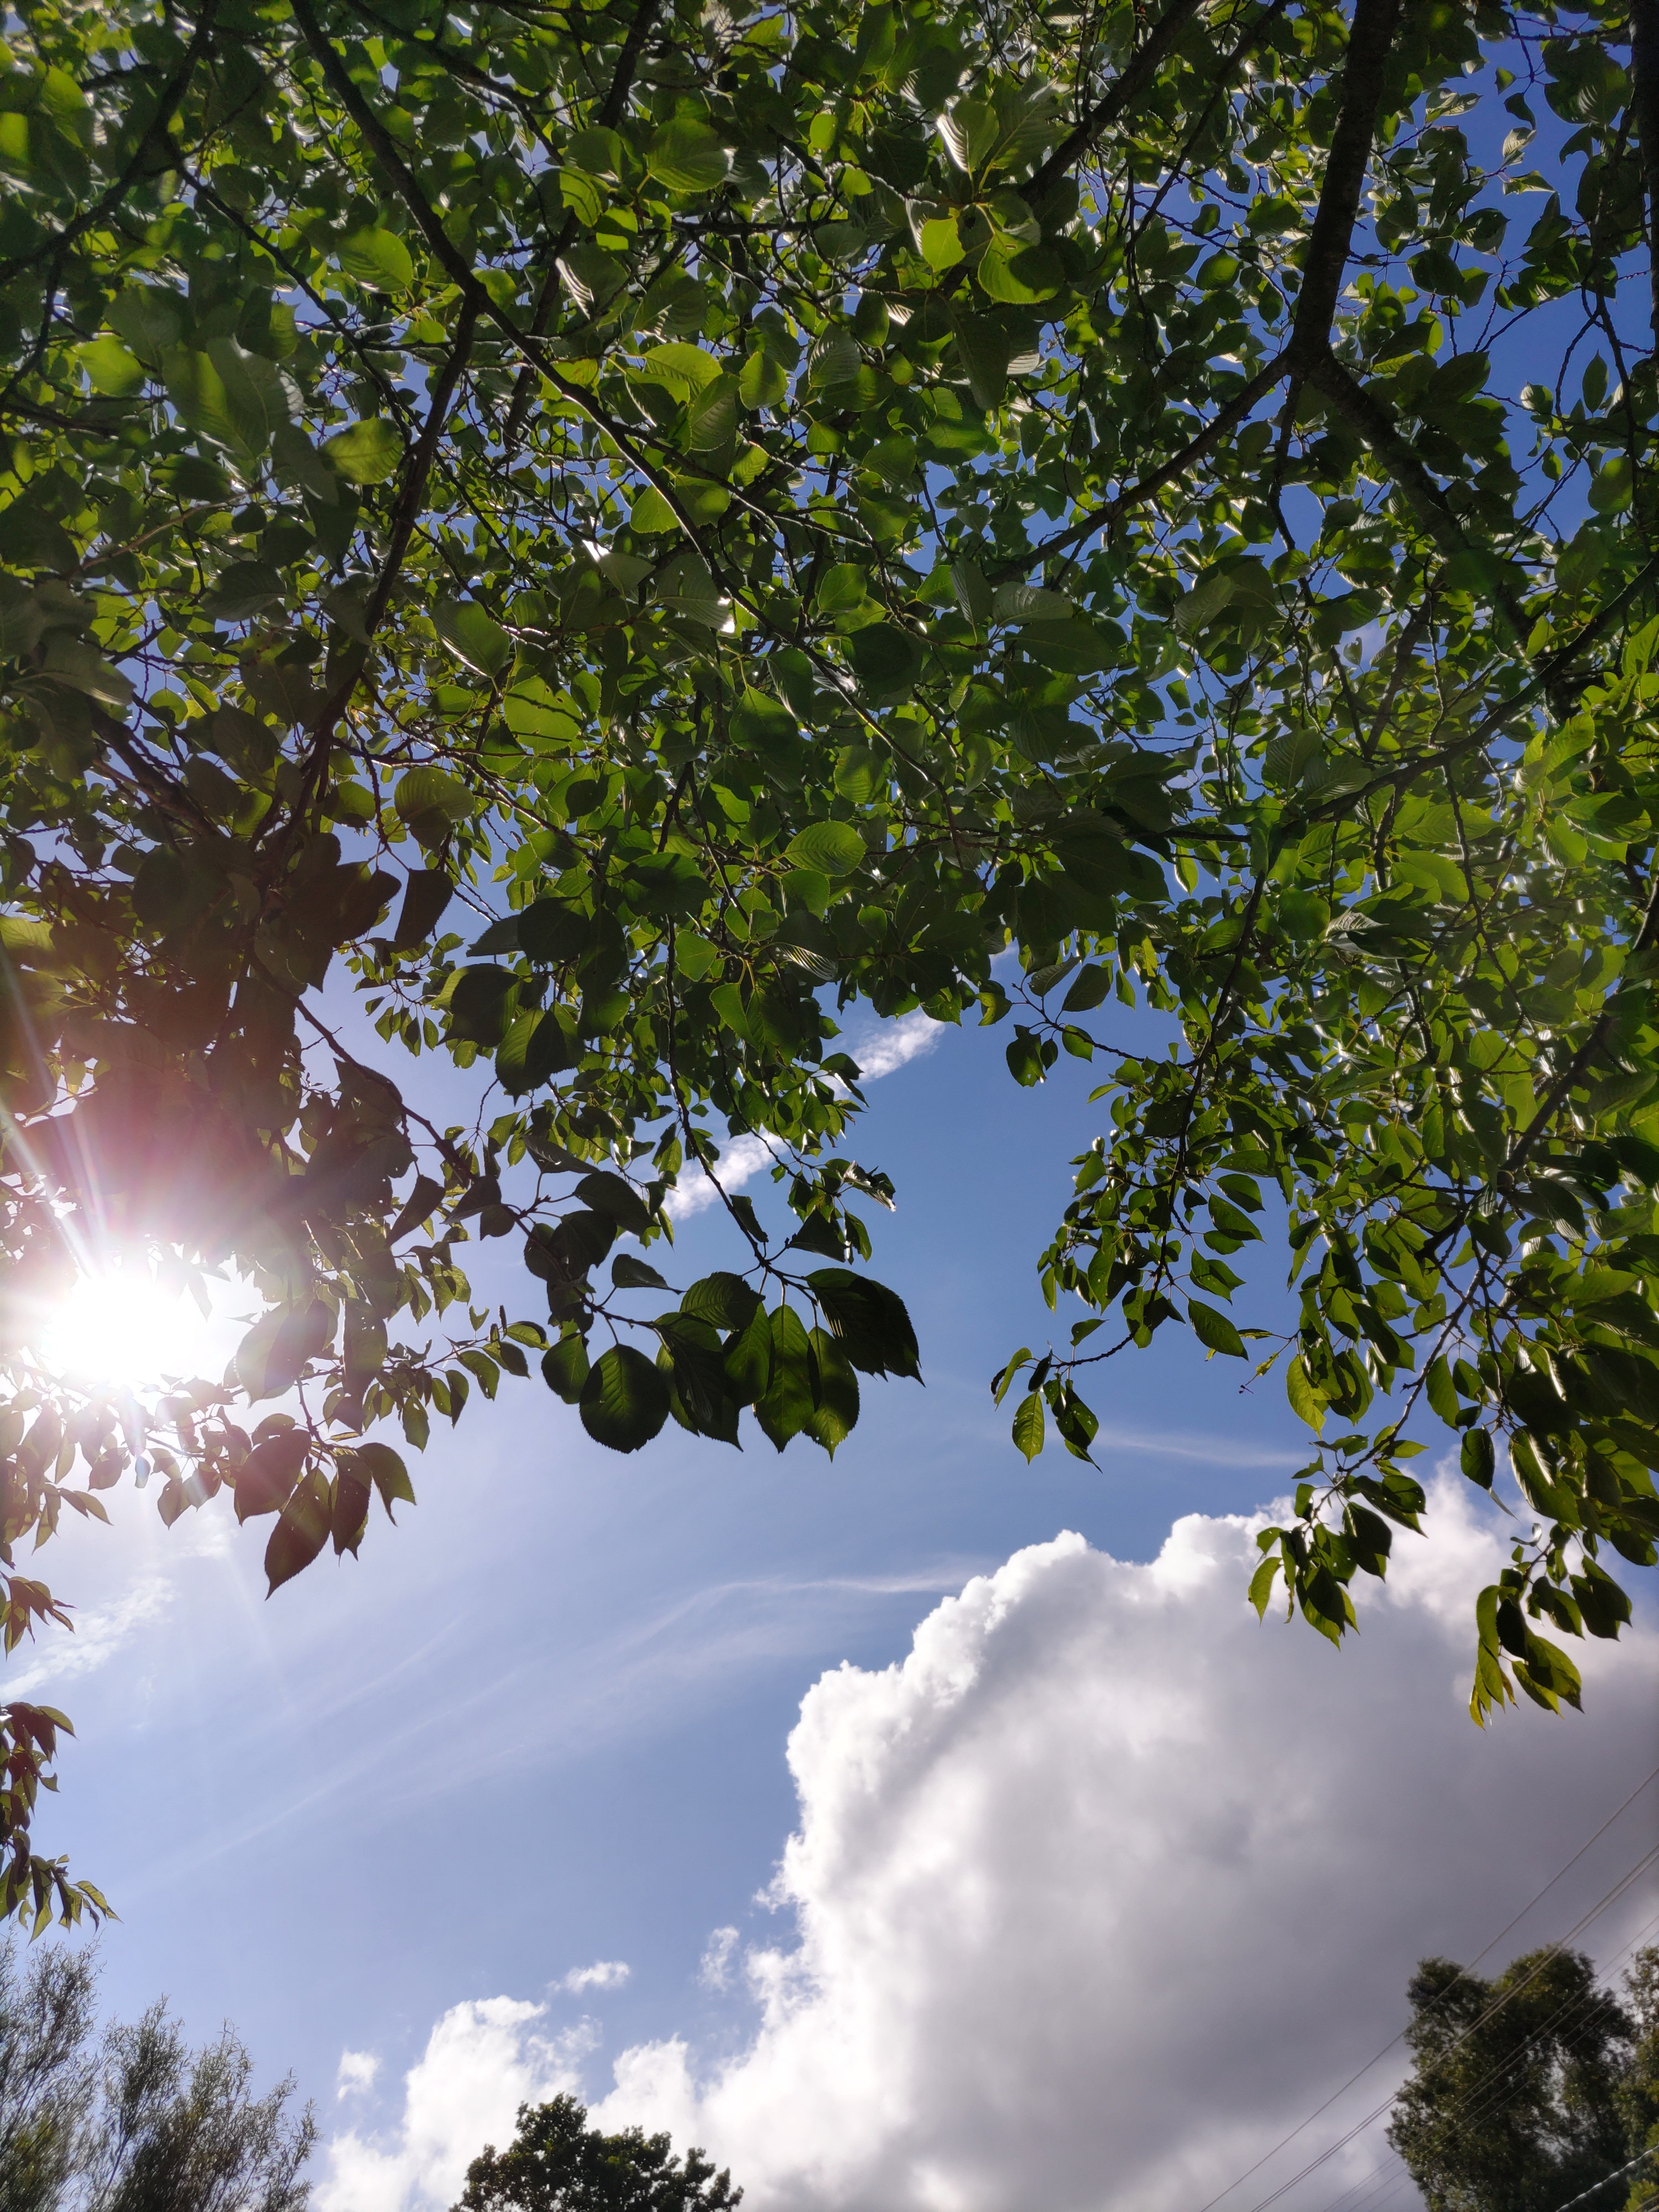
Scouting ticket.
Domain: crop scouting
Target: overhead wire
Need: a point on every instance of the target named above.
(1456, 2114)
(1313, 2166)
(1359, 2076)
(1584, 2195)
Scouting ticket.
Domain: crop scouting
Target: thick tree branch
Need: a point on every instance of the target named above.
(1371, 416)
(1374, 23)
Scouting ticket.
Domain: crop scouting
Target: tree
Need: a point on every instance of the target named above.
(557, 2163)
(133, 2121)
(45, 2073)
(711, 509)
(179, 2132)
(1514, 2102)
(1638, 2092)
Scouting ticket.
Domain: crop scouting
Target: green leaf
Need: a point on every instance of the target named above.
(711, 418)
(1028, 1426)
(1214, 1329)
(629, 1274)
(885, 659)
(832, 848)
(432, 791)
(1442, 1393)
(941, 245)
(791, 1398)
(835, 1410)
(625, 1400)
(1476, 1457)
(565, 1368)
(111, 369)
(367, 453)
(1261, 1585)
(687, 156)
(761, 382)
(473, 636)
(1305, 1401)
(723, 1299)
(652, 514)
(378, 258)
(869, 1320)
(668, 884)
(1011, 270)
(236, 399)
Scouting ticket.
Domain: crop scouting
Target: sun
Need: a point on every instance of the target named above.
(122, 1328)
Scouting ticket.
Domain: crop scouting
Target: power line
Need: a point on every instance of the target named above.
(1391, 2182)
(1394, 2039)
(1584, 2195)
(1313, 2165)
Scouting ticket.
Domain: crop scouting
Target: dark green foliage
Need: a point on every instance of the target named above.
(1524, 2090)
(557, 2163)
(617, 533)
(1638, 2092)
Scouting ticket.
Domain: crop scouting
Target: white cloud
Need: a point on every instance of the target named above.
(1104, 1886)
(602, 1974)
(482, 2061)
(742, 1159)
(884, 1050)
(96, 1638)
(715, 1971)
(356, 2072)
(880, 1051)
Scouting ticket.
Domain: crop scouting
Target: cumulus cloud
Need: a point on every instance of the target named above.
(602, 1974)
(1098, 1892)
(356, 2072)
(879, 1051)
(482, 2061)
(715, 1971)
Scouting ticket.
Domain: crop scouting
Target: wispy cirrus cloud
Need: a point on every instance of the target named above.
(59, 1657)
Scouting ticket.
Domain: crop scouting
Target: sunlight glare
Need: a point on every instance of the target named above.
(121, 1328)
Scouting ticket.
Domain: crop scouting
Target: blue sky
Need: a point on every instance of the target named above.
(543, 1722)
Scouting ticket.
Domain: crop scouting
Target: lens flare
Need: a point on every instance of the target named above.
(120, 1327)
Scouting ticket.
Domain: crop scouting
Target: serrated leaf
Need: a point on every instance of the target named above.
(111, 369)
(625, 1400)
(367, 454)
(1214, 1329)
(1261, 1585)
(833, 848)
(378, 258)
(473, 636)
(629, 1274)
(687, 156)
(1441, 1392)
(1029, 1426)
(1477, 1459)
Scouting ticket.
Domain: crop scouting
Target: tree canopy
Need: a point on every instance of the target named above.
(557, 2163)
(1530, 2089)
(612, 531)
(132, 2120)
